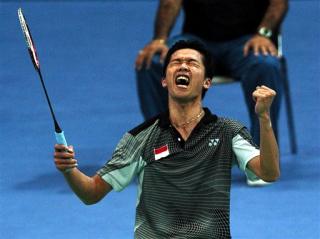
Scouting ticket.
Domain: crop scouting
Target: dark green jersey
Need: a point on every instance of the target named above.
(184, 186)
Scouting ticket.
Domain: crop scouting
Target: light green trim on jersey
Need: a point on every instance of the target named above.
(140, 182)
(244, 152)
(121, 178)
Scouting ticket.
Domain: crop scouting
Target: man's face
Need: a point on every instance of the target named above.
(185, 76)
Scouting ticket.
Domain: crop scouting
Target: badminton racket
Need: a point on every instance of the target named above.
(59, 134)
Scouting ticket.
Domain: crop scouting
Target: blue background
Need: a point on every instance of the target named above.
(87, 51)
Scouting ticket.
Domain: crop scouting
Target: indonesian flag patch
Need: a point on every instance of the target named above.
(161, 152)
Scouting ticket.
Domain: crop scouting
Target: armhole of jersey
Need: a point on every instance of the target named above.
(244, 152)
(121, 178)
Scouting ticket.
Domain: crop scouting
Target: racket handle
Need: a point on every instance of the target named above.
(60, 138)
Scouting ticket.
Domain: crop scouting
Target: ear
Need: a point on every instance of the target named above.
(164, 83)
(207, 83)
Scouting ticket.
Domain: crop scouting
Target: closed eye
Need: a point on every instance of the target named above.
(189, 62)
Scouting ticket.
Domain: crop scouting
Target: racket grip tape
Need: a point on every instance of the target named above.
(60, 138)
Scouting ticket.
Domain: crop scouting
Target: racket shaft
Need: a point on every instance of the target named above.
(34, 57)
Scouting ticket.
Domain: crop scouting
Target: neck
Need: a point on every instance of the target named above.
(185, 116)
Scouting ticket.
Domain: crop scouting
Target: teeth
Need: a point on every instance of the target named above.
(182, 80)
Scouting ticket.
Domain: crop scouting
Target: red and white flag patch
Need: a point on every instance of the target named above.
(161, 152)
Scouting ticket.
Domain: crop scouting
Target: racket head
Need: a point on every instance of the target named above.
(29, 40)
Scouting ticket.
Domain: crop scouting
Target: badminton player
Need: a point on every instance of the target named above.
(183, 157)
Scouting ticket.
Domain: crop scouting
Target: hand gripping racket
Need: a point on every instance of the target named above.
(35, 60)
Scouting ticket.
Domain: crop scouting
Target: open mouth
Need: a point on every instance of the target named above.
(182, 81)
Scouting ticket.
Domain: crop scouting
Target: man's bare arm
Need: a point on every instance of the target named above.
(89, 189)
(265, 166)
(166, 16)
(275, 13)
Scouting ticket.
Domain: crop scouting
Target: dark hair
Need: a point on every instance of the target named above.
(195, 45)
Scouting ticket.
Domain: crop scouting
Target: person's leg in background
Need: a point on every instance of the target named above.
(263, 71)
(252, 71)
(153, 98)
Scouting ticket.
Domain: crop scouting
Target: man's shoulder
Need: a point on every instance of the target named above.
(228, 121)
(144, 126)
(230, 124)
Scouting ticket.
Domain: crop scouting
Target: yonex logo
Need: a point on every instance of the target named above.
(213, 142)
